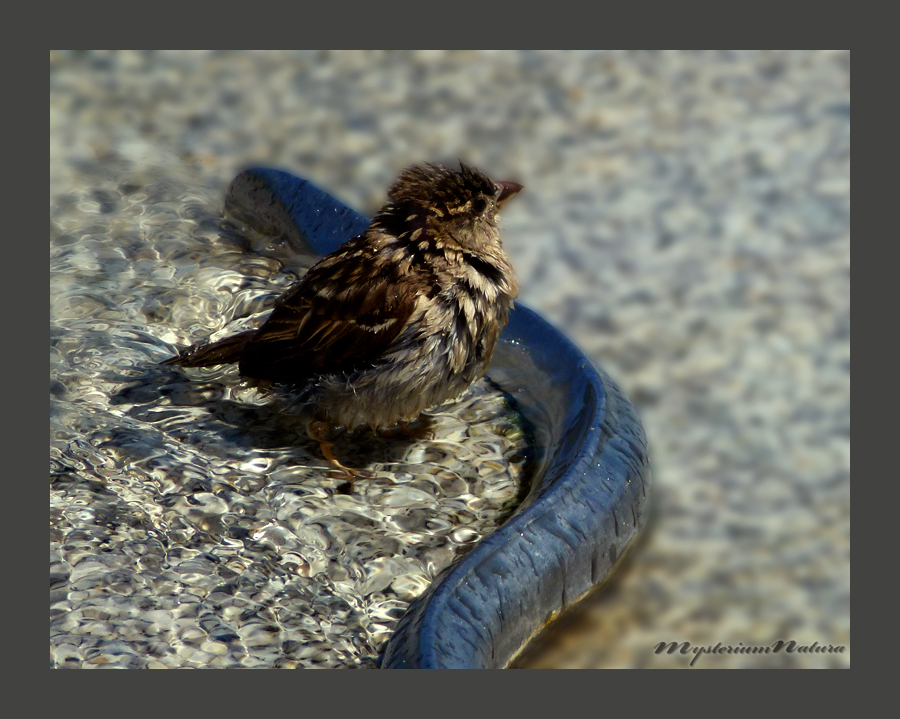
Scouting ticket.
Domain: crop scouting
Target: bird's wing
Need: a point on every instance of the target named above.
(332, 321)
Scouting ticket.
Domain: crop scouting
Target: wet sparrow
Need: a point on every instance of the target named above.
(399, 319)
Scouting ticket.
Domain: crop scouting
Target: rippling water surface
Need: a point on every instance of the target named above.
(193, 523)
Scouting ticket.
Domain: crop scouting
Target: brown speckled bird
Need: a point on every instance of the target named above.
(399, 319)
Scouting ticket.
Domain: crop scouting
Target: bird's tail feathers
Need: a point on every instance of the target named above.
(225, 351)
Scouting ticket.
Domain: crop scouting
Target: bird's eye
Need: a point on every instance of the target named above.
(479, 204)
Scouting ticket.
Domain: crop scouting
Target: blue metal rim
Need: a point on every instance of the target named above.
(591, 486)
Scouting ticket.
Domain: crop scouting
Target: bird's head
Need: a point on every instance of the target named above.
(462, 204)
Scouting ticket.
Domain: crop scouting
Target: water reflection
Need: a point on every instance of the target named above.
(192, 521)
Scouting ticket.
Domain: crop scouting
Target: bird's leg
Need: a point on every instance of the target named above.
(418, 428)
(318, 431)
(422, 427)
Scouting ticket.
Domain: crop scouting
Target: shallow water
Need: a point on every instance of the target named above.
(193, 523)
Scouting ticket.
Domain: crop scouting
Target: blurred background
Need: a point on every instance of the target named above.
(686, 221)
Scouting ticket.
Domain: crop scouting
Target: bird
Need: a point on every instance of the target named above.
(398, 320)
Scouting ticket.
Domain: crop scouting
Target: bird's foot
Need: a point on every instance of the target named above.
(318, 431)
(420, 428)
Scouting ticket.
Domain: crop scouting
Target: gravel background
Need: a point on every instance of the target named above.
(686, 221)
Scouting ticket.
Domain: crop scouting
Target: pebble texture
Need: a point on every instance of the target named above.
(685, 221)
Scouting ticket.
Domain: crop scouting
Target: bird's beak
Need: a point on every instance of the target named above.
(507, 190)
